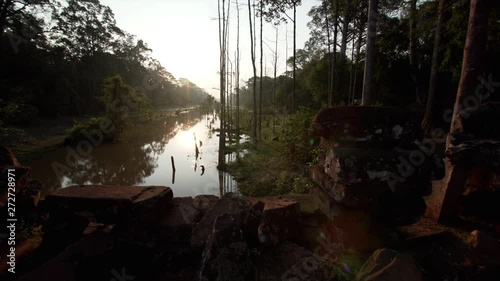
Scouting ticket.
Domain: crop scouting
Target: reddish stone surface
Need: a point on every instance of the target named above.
(107, 204)
(7, 158)
(303, 199)
(444, 202)
(280, 221)
(130, 194)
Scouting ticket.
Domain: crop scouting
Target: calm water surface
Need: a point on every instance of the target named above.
(145, 160)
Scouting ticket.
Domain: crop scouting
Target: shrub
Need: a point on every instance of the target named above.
(14, 113)
(76, 133)
(124, 108)
(291, 183)
(13, 137)
(302, 185)
(283, 183)
(123, 103)
(298, 146)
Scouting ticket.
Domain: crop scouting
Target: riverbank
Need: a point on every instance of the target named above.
(48, 134)
(269, 168)
(43, 135)
(145, 158)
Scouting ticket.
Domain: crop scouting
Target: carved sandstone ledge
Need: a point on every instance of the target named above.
(366, 126)
(106, 203)
(370, 160)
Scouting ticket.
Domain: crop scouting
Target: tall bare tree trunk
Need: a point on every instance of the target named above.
(294, 53)
(346, 18)
(285, 94)
(254, 75)
(228, 98)
(351, 74)
(222, 43)
(254, 30)
(333, 69)
(238, 72)
(330, 62)
(427, 122)
(413, 50)
(274, 80)
(228, 88)
(370, 53)
(260, 80)
(356, 65)
(473, 62)
(361, 29)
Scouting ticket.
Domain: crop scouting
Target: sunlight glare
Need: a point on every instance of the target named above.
(186, 138)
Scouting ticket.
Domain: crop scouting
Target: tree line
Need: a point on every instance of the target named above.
(57, 55)
(367, 52)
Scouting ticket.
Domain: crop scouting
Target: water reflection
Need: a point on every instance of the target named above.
(147, 159)
(121, 164)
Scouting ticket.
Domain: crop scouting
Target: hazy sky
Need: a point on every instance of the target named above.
(184, 36)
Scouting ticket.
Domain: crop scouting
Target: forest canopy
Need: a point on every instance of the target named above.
(404, 47)
(56, 55)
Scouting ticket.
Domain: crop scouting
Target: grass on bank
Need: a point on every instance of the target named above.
(41, 135)
(279, 163)
(47, 134)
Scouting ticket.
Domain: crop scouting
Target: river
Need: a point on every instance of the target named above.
(145, 159)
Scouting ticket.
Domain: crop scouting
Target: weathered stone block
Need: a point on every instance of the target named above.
(226, 254)
(476, 153)
(389, 265)
(229, 203)
(178, 220)
(204, 203)
(250, 223)
(402, 206)
(109, 204)
(280, 222)
(289, 261)
(361, 126)
(377, 168)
